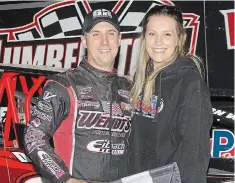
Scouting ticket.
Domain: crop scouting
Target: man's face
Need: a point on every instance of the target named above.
(102, 44)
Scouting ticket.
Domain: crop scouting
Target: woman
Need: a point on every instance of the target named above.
(172, 109)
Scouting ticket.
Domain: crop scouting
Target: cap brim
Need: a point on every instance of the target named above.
(88, 29)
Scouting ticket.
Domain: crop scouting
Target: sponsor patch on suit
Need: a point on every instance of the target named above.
(85, 92)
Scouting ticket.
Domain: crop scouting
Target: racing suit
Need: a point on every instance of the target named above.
(90, 139)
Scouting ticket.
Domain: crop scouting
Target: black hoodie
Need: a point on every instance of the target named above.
(179, 131)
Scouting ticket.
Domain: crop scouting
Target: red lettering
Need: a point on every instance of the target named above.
(8, 85)
(229, 18)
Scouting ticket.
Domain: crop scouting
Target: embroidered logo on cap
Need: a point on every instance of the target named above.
(102, 13)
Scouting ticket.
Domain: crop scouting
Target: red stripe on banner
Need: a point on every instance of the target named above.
(231, 17)
(11, 31)
(168, 2)
(87, 7)
(63, 137)
(117, 6)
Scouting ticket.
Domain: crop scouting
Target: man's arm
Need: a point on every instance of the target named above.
(51, 108)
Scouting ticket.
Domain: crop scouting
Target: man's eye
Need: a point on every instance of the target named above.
(112, 33)
(168, 34)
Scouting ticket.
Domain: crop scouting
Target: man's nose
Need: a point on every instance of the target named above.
(104, 40)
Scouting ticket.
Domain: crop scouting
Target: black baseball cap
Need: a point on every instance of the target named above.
(97, 16)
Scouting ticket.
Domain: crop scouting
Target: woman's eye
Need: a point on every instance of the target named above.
(151, 33)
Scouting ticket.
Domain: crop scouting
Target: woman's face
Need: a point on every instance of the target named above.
(161, 39)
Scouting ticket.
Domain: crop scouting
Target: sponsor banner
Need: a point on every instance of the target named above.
(39, 38)
(222, 144)
(220, 38)
(46, 45)
(222, 113)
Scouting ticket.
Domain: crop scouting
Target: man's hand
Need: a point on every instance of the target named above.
(75, 181)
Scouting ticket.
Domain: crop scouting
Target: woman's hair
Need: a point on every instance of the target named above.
(144, 80)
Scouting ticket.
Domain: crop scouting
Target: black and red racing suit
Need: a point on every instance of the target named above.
(90, 139)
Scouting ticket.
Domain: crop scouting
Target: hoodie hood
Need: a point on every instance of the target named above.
(179, 66)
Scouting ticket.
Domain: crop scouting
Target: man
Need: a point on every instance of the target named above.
(86, 111)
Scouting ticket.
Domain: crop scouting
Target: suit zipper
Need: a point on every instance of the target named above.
(110, 130)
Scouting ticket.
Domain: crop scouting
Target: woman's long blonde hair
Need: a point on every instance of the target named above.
(144, 81)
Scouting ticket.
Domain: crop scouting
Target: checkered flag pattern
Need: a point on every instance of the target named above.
(132, 19)
(167, 174)
(62, 22)
(116, 109)
(30, 34)
(67, 20)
